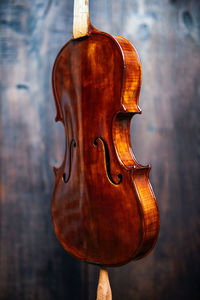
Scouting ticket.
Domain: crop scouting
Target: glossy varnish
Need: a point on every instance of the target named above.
(103, 207)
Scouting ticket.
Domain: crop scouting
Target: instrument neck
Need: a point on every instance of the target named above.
(81, 20)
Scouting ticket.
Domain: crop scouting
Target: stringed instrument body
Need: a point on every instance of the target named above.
(103, 207)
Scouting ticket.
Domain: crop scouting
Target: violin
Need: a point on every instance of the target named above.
(104, 210)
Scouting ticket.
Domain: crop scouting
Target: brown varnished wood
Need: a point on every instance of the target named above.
(103, 209)
(33, 263)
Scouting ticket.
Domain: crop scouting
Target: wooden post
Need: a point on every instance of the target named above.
(81, 18)
(104, 290)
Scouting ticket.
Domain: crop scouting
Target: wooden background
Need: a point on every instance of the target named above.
(166, 33)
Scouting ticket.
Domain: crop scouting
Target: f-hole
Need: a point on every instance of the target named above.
(107, 158)
(65, 177)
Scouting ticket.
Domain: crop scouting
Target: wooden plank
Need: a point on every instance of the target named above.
(166, 135)
(166, 35)
(33, 265)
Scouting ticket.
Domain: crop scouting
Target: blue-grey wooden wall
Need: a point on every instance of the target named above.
(166, 33)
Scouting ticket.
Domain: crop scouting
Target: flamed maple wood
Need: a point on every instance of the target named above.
(103, 207)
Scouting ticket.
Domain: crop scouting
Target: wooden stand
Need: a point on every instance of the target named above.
(104, 290)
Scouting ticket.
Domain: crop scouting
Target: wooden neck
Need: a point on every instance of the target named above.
(81, 18)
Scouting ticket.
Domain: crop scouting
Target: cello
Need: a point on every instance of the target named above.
(104, 210)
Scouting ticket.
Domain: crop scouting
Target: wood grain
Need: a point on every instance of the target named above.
(81, 18)
(103, 207)
(104, 290)
(166, 34)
